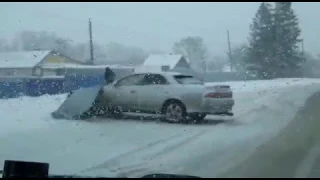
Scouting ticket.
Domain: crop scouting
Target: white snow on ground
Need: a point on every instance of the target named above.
(262, 85)
(27, 113)
(133, 147)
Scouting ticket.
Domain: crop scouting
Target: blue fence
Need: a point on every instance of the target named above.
(12, 88)
(73, 82)
(34, 86)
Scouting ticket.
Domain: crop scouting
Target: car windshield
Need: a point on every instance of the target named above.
(125, 89)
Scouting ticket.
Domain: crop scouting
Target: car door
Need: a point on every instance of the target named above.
(152, 94)
(125, 92)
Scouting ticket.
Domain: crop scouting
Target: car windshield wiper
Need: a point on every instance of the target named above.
(21, 169)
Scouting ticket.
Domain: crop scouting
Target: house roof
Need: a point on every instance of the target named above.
(163, 60)
(70, 58)
(22, 59)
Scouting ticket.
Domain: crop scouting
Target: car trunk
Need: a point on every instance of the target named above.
(218, 91)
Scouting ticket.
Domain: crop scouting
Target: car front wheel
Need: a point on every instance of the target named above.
(174, 111)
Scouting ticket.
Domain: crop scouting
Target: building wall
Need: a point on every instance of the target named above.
(89, 71)
(120, 72)
(17, 71)
(56, 59)
(52, 60)
(50, 72)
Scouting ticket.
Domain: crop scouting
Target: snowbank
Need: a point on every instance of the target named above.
(259, 85)
(27, 113)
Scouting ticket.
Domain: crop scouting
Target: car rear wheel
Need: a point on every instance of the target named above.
(174, 111)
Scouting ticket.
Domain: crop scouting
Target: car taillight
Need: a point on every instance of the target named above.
(219, 95)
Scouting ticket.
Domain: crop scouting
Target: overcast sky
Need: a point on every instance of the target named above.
(150, 25)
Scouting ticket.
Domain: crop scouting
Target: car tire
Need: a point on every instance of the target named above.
(174, 111)
(114, 112)
(197, 117)
(104, 110)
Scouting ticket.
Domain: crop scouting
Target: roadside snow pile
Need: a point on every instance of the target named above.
(262, 85)
(256, 95)
(27, 112)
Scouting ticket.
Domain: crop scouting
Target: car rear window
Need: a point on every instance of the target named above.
(186, 79)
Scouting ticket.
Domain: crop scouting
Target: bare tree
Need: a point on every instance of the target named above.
(194, 49)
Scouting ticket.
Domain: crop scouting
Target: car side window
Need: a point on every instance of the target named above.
(154, 79)
(130, 80)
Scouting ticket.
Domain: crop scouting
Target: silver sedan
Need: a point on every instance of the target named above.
(176, 96)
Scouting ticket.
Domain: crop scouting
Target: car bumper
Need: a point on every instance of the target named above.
(217, 106)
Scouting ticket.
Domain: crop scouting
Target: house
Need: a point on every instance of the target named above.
(163, 62)
(91, 70)
(28, 63)
(171, 60)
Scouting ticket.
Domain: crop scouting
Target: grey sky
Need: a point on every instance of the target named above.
(149, 25)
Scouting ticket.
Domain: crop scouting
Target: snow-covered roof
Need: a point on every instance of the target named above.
(22, 59)
(163, 60)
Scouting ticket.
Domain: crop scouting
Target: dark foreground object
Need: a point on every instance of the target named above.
(22, 169)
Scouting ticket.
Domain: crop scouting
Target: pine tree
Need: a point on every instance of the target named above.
(287, 32)
(261, 43)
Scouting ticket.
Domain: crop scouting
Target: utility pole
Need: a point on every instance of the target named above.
(91, 43)
(302, 49)
(204, 69)
(230, 54)
(302, 46)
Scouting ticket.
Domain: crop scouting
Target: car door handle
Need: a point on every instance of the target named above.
(133, 91)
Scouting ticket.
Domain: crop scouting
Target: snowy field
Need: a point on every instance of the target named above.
(134, 147)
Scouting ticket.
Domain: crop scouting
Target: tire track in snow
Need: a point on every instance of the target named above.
(146, 167)
(174, 146)
(114, 161)
(138, 159)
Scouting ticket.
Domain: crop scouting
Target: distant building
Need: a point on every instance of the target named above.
(227, 68)
(74, 69)
(31, 63)
(171, 60)
(163, 62)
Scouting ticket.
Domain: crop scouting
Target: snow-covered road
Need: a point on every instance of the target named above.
(132, 147)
